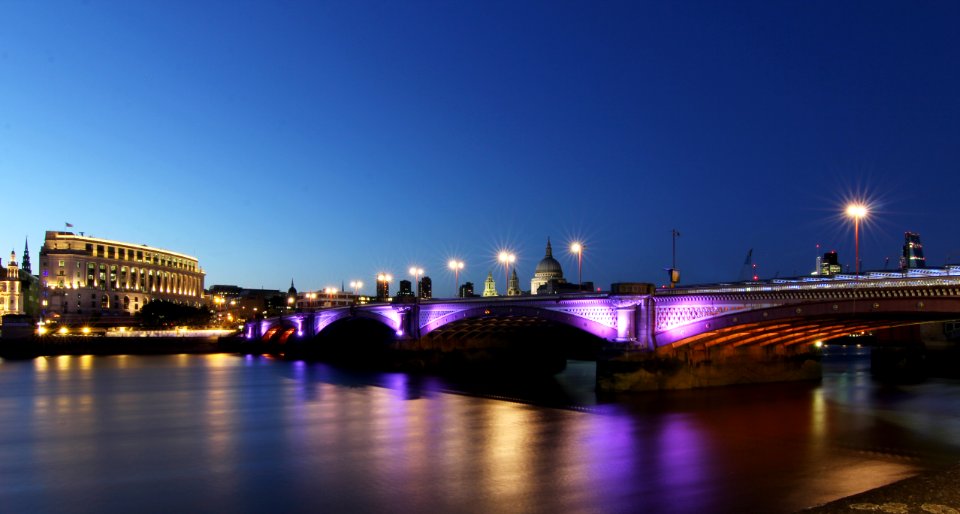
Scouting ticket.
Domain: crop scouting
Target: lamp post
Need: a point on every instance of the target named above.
(577, 248)
(417, 272)
(857, 211)
(506, 259)
(355, 285)
(456, 266)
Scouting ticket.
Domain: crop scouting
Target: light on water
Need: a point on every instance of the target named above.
(229, 433)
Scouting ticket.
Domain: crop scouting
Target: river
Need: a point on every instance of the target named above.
(230, 433)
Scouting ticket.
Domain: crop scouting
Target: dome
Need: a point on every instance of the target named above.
(548, 266)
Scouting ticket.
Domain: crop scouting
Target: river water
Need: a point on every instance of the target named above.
(229, 433)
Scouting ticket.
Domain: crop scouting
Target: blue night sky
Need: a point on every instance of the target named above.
(327, 141)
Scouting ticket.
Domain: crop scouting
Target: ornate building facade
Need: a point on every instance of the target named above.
(87, 279)
(489, 285)
(11, 289)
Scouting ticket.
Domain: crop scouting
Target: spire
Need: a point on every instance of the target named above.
(25, 265)
(513, 289)
(549, 248)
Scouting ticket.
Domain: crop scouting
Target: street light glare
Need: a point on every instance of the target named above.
(576, 247)
(857, 210)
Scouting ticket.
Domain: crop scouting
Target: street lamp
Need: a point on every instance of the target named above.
(506, 259)
(456, 266)
(355, 285)
(857, 211)
(577, 248)
(417, 272)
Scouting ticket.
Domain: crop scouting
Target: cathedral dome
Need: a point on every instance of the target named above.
(548, 266)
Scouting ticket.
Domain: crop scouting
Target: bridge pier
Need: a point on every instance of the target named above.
(695, 366)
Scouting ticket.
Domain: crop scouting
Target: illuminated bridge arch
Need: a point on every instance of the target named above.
(600, 322)
(756, 320)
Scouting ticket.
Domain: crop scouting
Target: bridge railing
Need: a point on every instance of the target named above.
(949, 276)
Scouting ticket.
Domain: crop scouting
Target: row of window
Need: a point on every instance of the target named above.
(129, 254)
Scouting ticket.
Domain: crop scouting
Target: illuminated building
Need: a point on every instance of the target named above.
(830, 264)
(466, 290)
(405, 288)
(425, 288)
(489, 285)
(234, 304)
(11, 289)
(912, 257)
(547, 270)
(88, 279)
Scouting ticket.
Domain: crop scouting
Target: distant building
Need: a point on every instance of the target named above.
(383, 288)
(91, 280)
(489, 286)
(234, 304)
(830, 264)
(291, 296)
(405, 289)
(912, 252)
(547, 270)
(558, 287)
(313, 300)
(425, 288)
(466, 290)
(513, 287)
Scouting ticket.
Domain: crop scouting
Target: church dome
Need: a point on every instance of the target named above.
(548, 266)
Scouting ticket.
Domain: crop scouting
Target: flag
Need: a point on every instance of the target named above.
(69, 225)
(749, 256)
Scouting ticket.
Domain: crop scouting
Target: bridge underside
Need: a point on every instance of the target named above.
(519, 331)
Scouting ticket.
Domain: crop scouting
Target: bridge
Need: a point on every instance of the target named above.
(759, 322)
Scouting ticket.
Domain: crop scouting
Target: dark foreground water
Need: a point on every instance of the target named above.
(226, 433)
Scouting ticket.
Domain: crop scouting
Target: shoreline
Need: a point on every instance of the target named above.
(28, 348)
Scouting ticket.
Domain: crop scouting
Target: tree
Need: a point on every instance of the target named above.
(166, 314)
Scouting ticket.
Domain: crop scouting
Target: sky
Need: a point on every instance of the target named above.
(325, 142)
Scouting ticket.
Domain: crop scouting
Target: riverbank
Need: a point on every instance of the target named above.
(934, 491)
(27, 348)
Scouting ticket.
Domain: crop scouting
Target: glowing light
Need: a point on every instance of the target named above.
(577, 248)
(857, 210)
(63, 331)
(85, 330)
(818, 344)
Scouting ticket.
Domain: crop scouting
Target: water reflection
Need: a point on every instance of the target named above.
(231, 433)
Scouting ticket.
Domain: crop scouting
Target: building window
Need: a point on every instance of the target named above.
(62, 264)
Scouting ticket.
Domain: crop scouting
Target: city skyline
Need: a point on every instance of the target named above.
(331, 143)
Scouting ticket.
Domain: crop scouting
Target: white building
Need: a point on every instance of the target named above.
(11, 293)
(86, 279)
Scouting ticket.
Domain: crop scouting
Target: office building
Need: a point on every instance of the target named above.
(912, 252)
(91, 280)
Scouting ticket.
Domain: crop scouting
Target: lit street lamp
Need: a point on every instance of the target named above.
(506, 259)
(577, 248)
(356, 285)
(857, 211)
(417, 273)
(456, 266)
